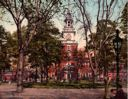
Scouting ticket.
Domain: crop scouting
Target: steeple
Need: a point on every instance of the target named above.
(68, 30)
(69, 46)
(68, 17)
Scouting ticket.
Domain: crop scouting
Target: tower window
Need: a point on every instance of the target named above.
(68, 48)
(68, 23)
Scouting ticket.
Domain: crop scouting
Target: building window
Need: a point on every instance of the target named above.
(69, 54)
(68, 48)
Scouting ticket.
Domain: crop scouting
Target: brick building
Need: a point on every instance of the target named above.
(69, 69)
(72, 66)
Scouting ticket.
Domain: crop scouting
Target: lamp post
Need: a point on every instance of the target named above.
(117, 42)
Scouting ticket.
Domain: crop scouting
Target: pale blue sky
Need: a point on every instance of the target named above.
(91, 9)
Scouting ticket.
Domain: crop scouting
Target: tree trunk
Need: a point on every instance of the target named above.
(36, 75)
(20, 71)
(58, 73)
(20, 59)
(106, 82)
(0, 75)
(41, 74)
(105, 74)
(105, 90)
(94, 78)
(46, 74)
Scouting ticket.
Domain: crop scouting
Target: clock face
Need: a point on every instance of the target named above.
(68, 37)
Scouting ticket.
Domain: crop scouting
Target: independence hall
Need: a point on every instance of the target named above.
(74, 64)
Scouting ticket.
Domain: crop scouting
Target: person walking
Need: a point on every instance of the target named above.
(113, 93)
(120, 94)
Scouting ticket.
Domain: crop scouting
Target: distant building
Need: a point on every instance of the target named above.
(73, 66)
(69, 69)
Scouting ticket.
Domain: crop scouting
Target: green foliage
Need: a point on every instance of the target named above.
(123, 53)
(63, 85)
(103, 43)
(124, 19)
(12, 45)
(45, 46)
(4, 62)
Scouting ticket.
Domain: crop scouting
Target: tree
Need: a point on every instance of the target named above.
(124, 19)
(104, 45)
(35, 12)
(4, 62)
(104, 12)
(45, 48)
(86, 26)
(123, 27)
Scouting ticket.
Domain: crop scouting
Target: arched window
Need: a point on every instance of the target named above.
(68, 47)
(68, 23)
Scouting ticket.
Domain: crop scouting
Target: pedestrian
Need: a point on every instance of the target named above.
(120, 93)
(113, 93)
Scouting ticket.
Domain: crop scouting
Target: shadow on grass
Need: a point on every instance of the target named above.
(63, 85)
(9, 95)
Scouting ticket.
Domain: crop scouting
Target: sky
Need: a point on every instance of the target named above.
(91, 8)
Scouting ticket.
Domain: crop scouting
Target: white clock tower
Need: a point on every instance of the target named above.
(68, 31)
(69, 47)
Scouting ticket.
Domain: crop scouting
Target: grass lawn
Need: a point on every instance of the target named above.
(80, 85)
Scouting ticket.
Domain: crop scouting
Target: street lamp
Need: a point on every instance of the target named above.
(117, 42)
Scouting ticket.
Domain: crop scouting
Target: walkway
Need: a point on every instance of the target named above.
(8, 92)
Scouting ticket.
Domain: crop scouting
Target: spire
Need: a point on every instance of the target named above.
(68, 27)
(68, 4)
(68, 18)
